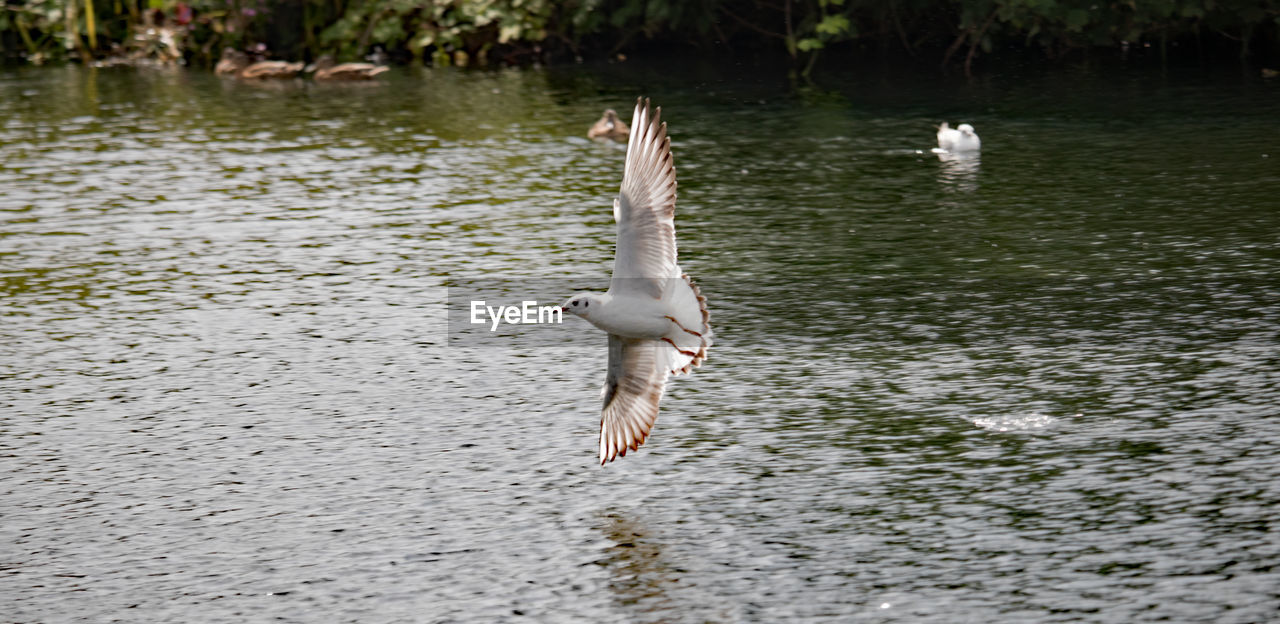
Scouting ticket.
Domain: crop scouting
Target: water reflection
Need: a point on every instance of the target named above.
(647, 582)
(639, 574)
(232, 84)
(959, 171)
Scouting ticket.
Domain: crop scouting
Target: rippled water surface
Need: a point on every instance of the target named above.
(1040, 386)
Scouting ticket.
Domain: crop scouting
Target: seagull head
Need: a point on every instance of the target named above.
(965, 129)
(610, 117)
(581, 304)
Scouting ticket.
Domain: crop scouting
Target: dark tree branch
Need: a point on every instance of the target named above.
(749, 25)
(973, 44)
(902, 33)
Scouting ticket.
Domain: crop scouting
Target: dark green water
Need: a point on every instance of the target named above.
(1037, 386)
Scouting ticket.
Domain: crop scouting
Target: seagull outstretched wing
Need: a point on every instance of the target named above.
(632, 389)
(645, 258)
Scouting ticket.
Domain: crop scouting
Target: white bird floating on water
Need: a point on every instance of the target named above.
(960, 139)
(655, 316)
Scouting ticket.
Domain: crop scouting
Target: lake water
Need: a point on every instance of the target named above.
(1041, 386)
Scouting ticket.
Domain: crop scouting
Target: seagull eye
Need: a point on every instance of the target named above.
(586, 303)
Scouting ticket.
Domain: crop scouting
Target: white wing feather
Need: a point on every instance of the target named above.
(645, 209)
(632, 389)
(947, 137)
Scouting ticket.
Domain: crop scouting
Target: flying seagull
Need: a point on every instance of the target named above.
(655, 316)
(960, 139)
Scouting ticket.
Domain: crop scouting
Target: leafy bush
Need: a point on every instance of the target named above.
(482, 31)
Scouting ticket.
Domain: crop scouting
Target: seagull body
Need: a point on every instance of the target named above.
(655, 316)
(627, 317)
(609, 127)
(959, 139)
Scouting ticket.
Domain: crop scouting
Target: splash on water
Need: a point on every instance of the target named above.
(1020, 422)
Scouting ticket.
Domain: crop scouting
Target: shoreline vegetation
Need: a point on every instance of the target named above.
(954, 35)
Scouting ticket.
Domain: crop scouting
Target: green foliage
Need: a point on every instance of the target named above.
(480, 31)
(451, 30)
(42, 27)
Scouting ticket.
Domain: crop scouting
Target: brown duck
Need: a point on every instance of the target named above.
(609, 127)
(326, 70)
(266, 70)
(234, 62)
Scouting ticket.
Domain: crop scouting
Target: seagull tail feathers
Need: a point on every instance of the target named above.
(694, 336)
(706, 332)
